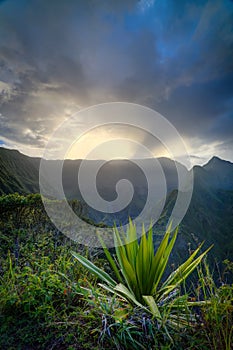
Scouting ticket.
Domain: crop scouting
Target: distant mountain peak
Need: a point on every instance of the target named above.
(214, 159)
(216, 162)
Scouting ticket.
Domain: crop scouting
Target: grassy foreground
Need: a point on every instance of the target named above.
(49, 300)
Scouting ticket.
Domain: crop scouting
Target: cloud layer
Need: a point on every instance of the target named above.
(175, 57)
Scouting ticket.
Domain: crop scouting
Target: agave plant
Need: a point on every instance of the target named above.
(139, 270)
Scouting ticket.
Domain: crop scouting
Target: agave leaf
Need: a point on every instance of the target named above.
(110, 259)
(159, 256)
(150, 245)
(183, 271)
(95, 270)
(139, 269)
(182, 267)
(117, 238)
(129, 275)
(127, 269)
(150, 301)
(158, 265)
(125, 292)
(142, 263)
(131, 243)
(119, 248)
(106, 287)
(144, 260)
(164, 261)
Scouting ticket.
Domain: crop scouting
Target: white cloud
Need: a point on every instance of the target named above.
(145, 5)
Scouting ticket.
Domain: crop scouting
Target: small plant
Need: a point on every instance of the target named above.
(139, 272)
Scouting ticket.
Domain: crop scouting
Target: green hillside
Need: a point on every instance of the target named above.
(18, 173)
(209, 217)
(210, 214)
(48, 300)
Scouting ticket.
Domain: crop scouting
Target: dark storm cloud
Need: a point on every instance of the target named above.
(191, 82)
(175, 57)
(183, 48)
(39, 54)
(202, 104)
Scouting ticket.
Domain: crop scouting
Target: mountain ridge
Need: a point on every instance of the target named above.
(24, 185)
(209, 216)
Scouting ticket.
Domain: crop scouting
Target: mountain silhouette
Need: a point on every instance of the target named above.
(209, 217)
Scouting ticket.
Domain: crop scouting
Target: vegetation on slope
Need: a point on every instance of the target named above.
(48, 300)
(18, 173)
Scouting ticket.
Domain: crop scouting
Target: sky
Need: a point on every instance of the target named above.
(58, 57)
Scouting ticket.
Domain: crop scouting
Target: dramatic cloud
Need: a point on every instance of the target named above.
(175, 57)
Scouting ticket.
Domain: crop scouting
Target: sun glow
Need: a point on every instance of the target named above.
(116, 143)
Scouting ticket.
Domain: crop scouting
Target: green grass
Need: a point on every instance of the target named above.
(40, 300)
(48, 300)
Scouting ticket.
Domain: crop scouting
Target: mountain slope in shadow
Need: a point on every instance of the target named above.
(209, 217)
(18, 173)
